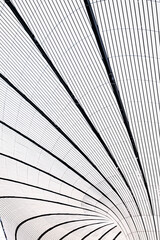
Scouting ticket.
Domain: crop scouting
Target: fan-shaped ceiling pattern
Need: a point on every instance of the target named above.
(79, 119)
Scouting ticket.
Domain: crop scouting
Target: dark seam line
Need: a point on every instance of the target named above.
(60, 224)
(74, 230)
(88, 234)
(147, 192)
(14, 10)
(114, 86)
(124, 77)
(26, 28)
(115, 89)
(3, 228)
(116, 236)
(65, 164)
(63, 181)
(85, 193)
(106, 233)
(17, 160)
(46, 200)
(58, 129)
(60, 194)
(67, 184)
(49, 214)
(74, 145)
(31, 35)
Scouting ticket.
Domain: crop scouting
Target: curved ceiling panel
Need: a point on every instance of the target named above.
(79, 119)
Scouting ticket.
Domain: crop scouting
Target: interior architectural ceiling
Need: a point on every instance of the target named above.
(79, 119)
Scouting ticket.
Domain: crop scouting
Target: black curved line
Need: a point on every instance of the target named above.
(88, 234)
(46, 200)
(74, 230)
(50, 153)
(49, 201)
(50, 191)
(115, 89)
(20, 161)
(76, 147)
(5, 235)
(49, 214)
(116, 236)
(68, 185)
(111, 78)
(31, 35)
(63, 134)
(60, 224)
(107, 232)
(26, 28)
(72, 169)
(116, 93)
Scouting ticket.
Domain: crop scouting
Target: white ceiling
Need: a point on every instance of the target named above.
(51, 160)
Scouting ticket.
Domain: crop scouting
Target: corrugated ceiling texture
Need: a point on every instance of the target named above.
(68, 169)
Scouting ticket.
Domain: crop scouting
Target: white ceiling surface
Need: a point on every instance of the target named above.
(2, 236)
(130, 33)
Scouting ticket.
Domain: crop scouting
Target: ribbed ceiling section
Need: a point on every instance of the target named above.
(79, 119)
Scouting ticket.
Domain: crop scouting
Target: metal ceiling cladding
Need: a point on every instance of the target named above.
(79, 119)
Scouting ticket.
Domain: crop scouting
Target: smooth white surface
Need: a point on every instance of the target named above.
(2, 236)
